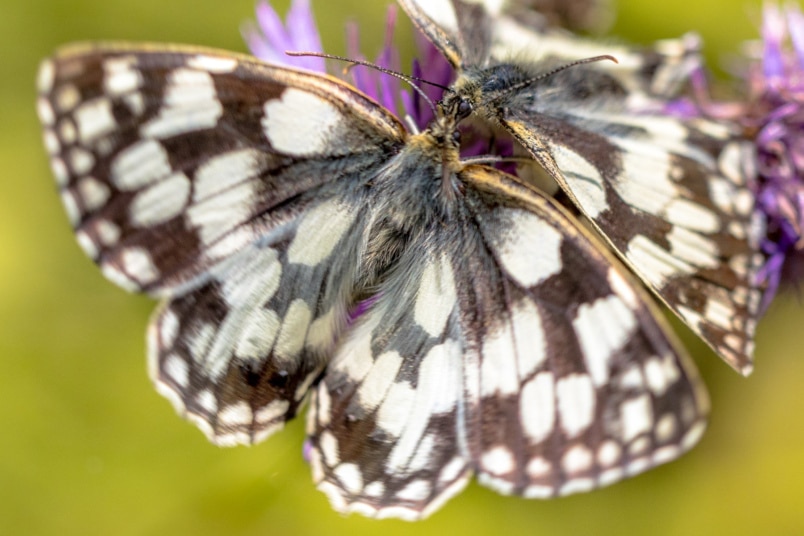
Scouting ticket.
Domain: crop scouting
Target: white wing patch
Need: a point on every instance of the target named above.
(301, 123)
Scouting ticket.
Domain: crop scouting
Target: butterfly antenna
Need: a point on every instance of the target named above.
(405, 78)
(558, 69)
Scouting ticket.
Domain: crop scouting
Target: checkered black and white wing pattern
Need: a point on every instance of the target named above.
(482, 34)
(669, 195)
(515, 349)
(225, 186)
(672, 199)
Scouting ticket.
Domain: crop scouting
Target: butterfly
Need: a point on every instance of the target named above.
(669, 195)
(446, 319)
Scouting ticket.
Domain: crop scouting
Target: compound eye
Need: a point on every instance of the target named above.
(456, 136)
(464, 108)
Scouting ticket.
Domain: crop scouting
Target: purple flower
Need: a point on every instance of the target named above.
(772, 114)
(270, 38)
(777, 102)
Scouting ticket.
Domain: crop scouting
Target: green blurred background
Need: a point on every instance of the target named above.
(88, 447)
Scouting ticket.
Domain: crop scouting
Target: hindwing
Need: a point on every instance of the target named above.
(513, 347)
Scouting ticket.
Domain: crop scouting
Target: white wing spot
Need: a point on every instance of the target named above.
(161, 201)
(438, 391)
(577, 459)
(121, 75)
(46, 76)
(658, 265)
(259, 332)
(320, 230)
(207, 401)
(293, 333)
(530, 251)
(135, 103)
(393, 415)
(71, 207)
(138, 264)
(537, 407)
(67, 131)
(636, 416)
(168, 328)
(213, 64)
(417, 490)
(538, 467)
(452, 470)
(719, 313)
(225, 171)
(584, 179)
(685, 213)
(350, 477)
(498, 460)
(235, 415)
(301, 123)
(692, 248)
(93, 193)
(199, 339)
(693, 435)
(576, 403)
(177, 370)
(744, 202)
(81, 160)
(276, 410)
(107, 232)
(51, 142)
(609, 453)
(645, 182)
(436, 296)
(59, 171)
(141, 164)
(378, 381)
(639, 446)
(329, 448)
(67, 97)
(120, 279)
(578, 485)
(190, 104)
(45, 112)
(603, 328)
(95, 119)
(375, 489)
(666, 428)
(87, 244)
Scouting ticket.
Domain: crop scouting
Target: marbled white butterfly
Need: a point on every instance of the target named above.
(669, 195)
(266, 205)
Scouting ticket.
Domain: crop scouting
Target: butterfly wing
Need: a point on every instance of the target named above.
(512, 347)
(229, 187)
(481, 34)
(669, 195)
(579, 382)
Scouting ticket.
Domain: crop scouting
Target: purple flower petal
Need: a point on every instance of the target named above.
(270, 38)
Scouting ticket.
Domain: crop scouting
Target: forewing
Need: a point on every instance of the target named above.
(670, 196)
(474, 35)
(231, 187)
(170, 158)
(460, 30)
(577, 380)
